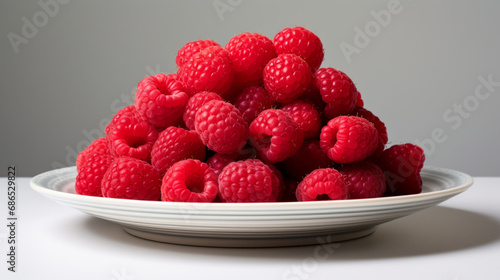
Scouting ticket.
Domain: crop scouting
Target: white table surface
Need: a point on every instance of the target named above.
(459, 239)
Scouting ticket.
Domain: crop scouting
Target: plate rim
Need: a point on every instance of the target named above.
(468, 181)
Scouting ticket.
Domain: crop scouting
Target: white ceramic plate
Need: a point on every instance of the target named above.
(252, 224)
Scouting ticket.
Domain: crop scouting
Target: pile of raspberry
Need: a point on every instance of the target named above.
(257, 120)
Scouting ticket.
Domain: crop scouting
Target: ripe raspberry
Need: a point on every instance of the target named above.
(209, 70)
(322, 184)
(194, 103)
(301, 42)
(131, 178)
(359, 101)
(250, 52)
(160, 100)
(221, 127)
(99, 146)
(402, 165)
(363, 179)
(306, 116)
(275, 136)
(129, 135)
(126, 112)
(379, 125)
(175, 144)
(347, 139)
(192, 48)
(248, 181)
(251, 101)
(286, 77)
(88, 180)
(189, 180)
(308, 158)
(336, 89)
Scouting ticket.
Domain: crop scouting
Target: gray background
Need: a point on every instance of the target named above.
(82, 64)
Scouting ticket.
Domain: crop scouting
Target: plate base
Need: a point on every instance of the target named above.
(229, 242)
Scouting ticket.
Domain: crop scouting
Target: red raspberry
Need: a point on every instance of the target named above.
(286, 77)
(308, 158)
(250, 52)
(127, 112)
(194, 103)
(251, 101)
(347, 139)
(221, 127)
(209, 70)
(363, 179)
(306, 116)
(131, 178)
(322, 184)
(99, 146)
(379, 125)
(175, 144)
(359, 101)
(402, 165)
(275, 136)
(129, 135)
(88, 180)
(248, 181)
(188, 50)
(301, 42)
(189, 180)
(160, 100)
(336, 89)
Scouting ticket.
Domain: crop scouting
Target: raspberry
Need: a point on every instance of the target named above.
(347, 139)
(160, 100)
(99, 146)
(286, 77)
(88, 180)
(359, 101)
(126, 112)
(402, 165)
(131, 178)
(363, 179)
(301, 42)
(248, 181)
(209, 70)
(192, 48)
(308, 158)
(189, 180)
(336, 89)
(221, 127)
(306, 116)
(275, 136)
(194, 103)
(250, 52)
(322, 184)
(251, 101)
(379, 125)
(129, 135)
(175, 144)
